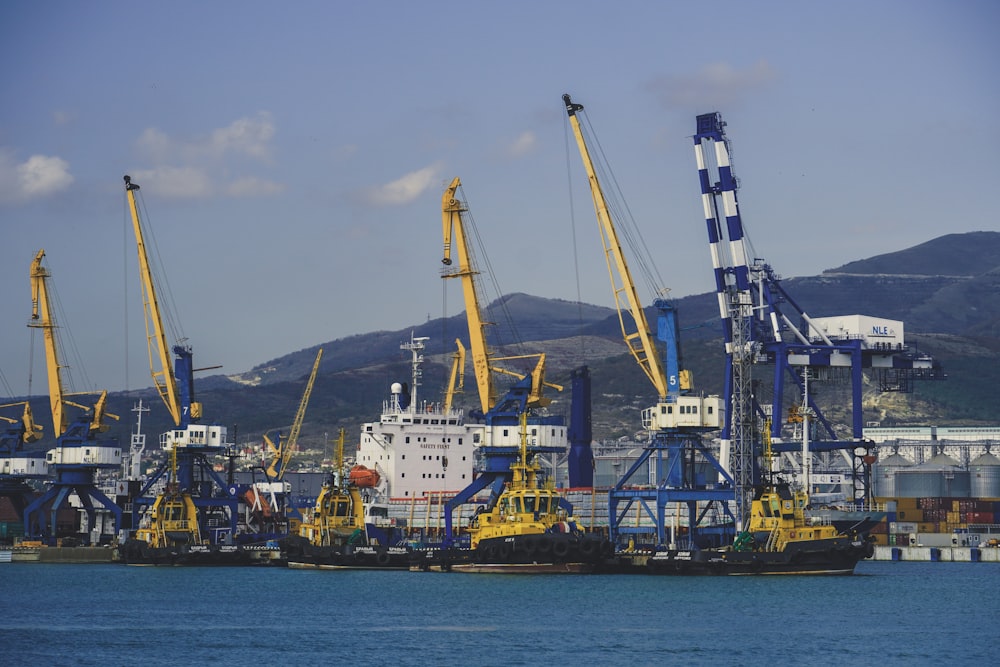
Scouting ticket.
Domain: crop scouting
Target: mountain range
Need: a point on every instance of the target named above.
(946, 291)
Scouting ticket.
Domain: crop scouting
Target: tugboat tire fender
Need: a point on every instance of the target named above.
(560, 548)
(530, 545)
(382, 558)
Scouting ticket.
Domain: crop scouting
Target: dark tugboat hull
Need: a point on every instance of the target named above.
(135, 552)
(837, 558)
(350, 558)
(547, 553)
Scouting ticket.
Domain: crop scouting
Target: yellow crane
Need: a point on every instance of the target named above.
(156, 339)
(42, 318)
(457, 372)
(451, 213)
(640, 340)
(30, 431)
(482, 358)
(78, 454)
(282, 454)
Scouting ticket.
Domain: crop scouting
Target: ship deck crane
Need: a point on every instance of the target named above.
(456, 378)
(501, 414)
(762, 324)
(79, 452)
(678, 420)
(193, 486)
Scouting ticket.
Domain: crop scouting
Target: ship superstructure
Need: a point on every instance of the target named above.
(418, 447)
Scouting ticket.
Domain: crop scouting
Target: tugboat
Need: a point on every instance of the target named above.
(529, 529)
(780, 538)
(171, 534)
(783, 535)
(337, 535)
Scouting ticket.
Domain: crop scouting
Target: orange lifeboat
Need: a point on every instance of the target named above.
(364, 477)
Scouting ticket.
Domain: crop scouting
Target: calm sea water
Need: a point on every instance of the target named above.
(887, 614)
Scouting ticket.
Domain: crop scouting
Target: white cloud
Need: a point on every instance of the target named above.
(249, 136)
(714, 85)
(181, 167)
(37, 177)
(177, 182)
(155, 144)
(524, 144)
(405, 189)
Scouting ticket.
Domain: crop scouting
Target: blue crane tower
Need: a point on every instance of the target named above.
(763, 325)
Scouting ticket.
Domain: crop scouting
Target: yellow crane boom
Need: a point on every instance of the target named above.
(41, 317)
(30, 430)
(640, 342)
(457, 372)
(283, 453)
(156, 340)
(451, 213)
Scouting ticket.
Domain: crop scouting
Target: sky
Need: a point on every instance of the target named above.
(292, 156)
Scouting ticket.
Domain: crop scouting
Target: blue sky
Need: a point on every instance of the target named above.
(292, 158)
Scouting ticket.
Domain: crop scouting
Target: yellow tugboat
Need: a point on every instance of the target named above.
(529, 530)
(172, 521)
(336, 536)
(170, 534)
(782, 536)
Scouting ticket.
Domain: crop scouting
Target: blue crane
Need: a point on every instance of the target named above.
(763, 325)
(80, 451)
(678, 421)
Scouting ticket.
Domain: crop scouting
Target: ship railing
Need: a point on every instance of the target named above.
(772, 539)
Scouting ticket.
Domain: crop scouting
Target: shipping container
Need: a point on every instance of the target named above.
(903, 527)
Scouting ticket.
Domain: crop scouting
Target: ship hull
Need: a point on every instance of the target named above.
(823, 557)
(350, 558)
(136, 552)
(524, 568)
(537, 553)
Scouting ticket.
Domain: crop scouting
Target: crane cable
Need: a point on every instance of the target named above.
(625, 224)
(576, 254)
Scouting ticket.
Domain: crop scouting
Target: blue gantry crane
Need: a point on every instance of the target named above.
(203, 505)
(676, 424)
(80, 451)
(762, 324)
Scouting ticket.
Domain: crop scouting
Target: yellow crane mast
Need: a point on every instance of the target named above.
(156, 339)
(451, 213)
(282, 454)
(41, 317)
(457, 372)
(640, 342)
